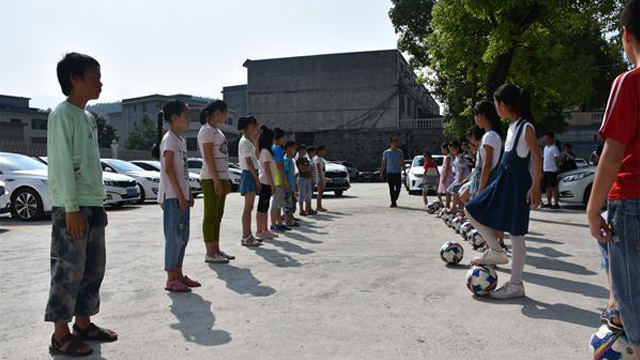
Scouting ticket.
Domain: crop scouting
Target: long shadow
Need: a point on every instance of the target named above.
(8, 221)
(300, 237)
(549, 263)
(289, 247)
(559, 311)
(122, 208)
(409, 208)
(559, 222)
(304, 229)
(241, 281)
(196, 320)
(339, 213)
(276, 258)
(547, 251)
(586, 289)
(542, 240)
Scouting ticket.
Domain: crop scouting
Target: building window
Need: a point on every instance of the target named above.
(39, 124)
(192, 144)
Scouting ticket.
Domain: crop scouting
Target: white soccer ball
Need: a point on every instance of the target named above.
(465, 228)
(476, 240)
(607, 345)
(457, 223)
(451, 253)
(481, 280)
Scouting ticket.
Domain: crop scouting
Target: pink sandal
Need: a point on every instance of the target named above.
(177, 286)
(190, 283)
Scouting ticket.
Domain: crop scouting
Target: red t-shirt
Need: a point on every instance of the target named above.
(622, 123)
(429, 164)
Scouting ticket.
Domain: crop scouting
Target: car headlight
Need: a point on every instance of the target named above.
(577, 176)
(109, 183)
(153, 179)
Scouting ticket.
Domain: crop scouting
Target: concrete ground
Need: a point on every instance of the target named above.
(361, 282)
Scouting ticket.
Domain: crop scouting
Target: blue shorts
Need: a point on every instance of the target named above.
(624, 263)
(247, 183)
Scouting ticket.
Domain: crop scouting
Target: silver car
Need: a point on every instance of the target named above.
(575, 186)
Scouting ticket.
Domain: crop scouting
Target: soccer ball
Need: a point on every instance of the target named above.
(432, 208)
(451, 252)
(465, 228)
(457, 223)
(607, 345)
(438, 205)
(481, 280)
(449, 220)
(476, 240)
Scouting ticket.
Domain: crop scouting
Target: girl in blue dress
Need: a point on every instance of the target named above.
(505, 203)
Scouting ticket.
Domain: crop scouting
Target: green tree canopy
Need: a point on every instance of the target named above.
(565, 52)
(106, 132)
(143, 135)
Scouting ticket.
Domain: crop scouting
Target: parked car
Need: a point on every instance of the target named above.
(336, 179)
(415, 178)
(195, 165)
(5, 200)
(575, 186)
(148, 181)
(26, 179)
(119, 189)
(154, 165)
(580, 162)
(353, 171)
(369, 176)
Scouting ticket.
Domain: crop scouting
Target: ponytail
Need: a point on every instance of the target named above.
(210, 109)
(517, 99)
(525, 105)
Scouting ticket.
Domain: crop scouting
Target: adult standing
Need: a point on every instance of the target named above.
(551, 158)
(392, 167)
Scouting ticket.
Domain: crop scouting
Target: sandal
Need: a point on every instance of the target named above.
(74, 348)
(607, 318)
(251, 242)
(177, 286)
(190, 283)
(100, 334)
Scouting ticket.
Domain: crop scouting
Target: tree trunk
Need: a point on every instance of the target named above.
(499, 73)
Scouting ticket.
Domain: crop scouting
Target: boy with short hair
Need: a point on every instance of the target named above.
(320, 165)
(551, 159)
(304, 181)
(282, 186)
(618, 180)
(311, 152)
(77, 241)
(289, 175)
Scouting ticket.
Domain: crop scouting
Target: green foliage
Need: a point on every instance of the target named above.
(143, 135)
(563, 51)
(106, 132)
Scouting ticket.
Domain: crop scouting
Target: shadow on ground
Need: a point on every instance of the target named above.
(196, 320)
(577, 287)
(275, 257)
(242, 281)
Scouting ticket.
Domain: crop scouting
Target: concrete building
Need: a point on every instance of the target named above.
(21, 123)
(582, 132)
(353, 101)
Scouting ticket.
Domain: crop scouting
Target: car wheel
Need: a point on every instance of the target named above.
(26, 204)
(587, 195)
(143, 198)
(339, 192)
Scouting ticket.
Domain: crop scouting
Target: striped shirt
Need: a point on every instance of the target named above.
(212, 135)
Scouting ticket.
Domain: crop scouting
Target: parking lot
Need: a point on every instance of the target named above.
(360, 282)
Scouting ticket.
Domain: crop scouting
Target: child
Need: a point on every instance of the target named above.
(505, 203)
(304, 181)
(618, 181)
(430, 173)
(174, 195)
(489, 148)
(474, 137)
(313, 180)
(446, 177)
(282, 186)
(249, 181)
(267, 183)
(320, 165)
(550, 169)
(460, 172)
(79, 220)
(289, 175)
(214, 177)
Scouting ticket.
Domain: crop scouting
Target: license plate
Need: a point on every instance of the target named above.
(132, 191)
(338, 181)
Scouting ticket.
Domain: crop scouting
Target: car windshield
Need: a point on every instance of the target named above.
(123, 165)
(17, 162)
(439, 160)
(418, 161)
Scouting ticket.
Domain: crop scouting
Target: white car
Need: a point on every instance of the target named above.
(575, 186)
(415, 177)
(154, 165)
(26, 179)
(148, 181)
(195, 165)
(119, 190)
(5, 201)
(336, 179)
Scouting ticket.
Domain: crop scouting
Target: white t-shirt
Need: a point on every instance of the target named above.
(319, 160)
(178, 145)
(247, 149)
(523, 148)
(266, 157)
(212, 135)
(492, 139)
(549, 162)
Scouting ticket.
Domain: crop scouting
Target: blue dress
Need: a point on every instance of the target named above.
(502, 205)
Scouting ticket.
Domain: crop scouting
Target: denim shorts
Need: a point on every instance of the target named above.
(247, 183)
(624, 263)
(176, 233)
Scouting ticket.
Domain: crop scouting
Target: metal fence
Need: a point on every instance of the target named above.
(431, 123)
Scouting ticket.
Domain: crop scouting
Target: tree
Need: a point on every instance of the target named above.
(557, 49)
(106, 132)
(143, 135)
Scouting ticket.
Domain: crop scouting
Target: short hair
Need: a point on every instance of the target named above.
(302, 147)
(245, 121)
(630, 18)
(567, 145)
(173, 107)
(310, 149)
(278, 133)
(550, 134)
(289, 144)
(394, 139)
(444, 145)
(427, 153)
(476, 132)
(454, 144)
(73, 64)
(320, 148)
(210, 109)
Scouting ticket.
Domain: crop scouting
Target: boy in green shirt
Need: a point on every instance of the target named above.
(79, 220)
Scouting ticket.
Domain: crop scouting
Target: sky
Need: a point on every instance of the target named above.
(166, 47)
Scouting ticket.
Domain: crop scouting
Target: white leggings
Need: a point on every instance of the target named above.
(519, 249)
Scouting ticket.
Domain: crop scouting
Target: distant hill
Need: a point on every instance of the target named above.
(104, 109)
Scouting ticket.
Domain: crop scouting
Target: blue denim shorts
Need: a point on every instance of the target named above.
(624, 263)
(176, 233)
(247, 183)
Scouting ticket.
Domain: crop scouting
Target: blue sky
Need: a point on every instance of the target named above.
(167, 47)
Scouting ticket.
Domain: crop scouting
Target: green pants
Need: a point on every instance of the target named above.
(213, 209)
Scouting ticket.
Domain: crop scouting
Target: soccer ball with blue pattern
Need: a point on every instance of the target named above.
(451, 253)
(476, 240)
(465, 228)
(457, 223)
(481, 280)
(609, 345)
(449, 219)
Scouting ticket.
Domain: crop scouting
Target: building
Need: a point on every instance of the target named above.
(582, 132)
(21, 123)
(134, 109)
(351, 102)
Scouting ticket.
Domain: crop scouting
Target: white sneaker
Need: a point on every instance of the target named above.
(216, 259)
(508, 291)
(491, 257)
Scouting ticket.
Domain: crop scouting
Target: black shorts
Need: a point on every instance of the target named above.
(264, 199)
(550, 179)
